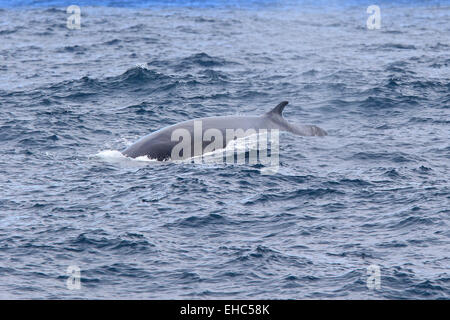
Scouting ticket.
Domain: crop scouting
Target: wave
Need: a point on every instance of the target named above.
(210, 220)
(141, 79)
(73, 49)
(202, 60)
(134, 80)
(389, 46)
(396, 157)
(214, 3)
(138, 75)
(138, 3)
(202, 63)
(98, 239)
(309, 193)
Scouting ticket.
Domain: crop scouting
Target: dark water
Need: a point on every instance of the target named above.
(375, 191)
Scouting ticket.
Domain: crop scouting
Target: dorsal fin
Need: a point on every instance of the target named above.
(278, 109)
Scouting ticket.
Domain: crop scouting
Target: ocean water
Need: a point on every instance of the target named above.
(375, 191)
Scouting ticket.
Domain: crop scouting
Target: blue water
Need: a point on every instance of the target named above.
(374, 191)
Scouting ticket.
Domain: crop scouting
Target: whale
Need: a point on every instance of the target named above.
(160, 144)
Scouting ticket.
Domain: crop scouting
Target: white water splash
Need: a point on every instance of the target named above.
(115, 156)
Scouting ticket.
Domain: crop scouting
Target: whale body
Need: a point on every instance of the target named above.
(159, 144)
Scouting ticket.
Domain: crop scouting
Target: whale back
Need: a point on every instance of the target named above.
(159, 144)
